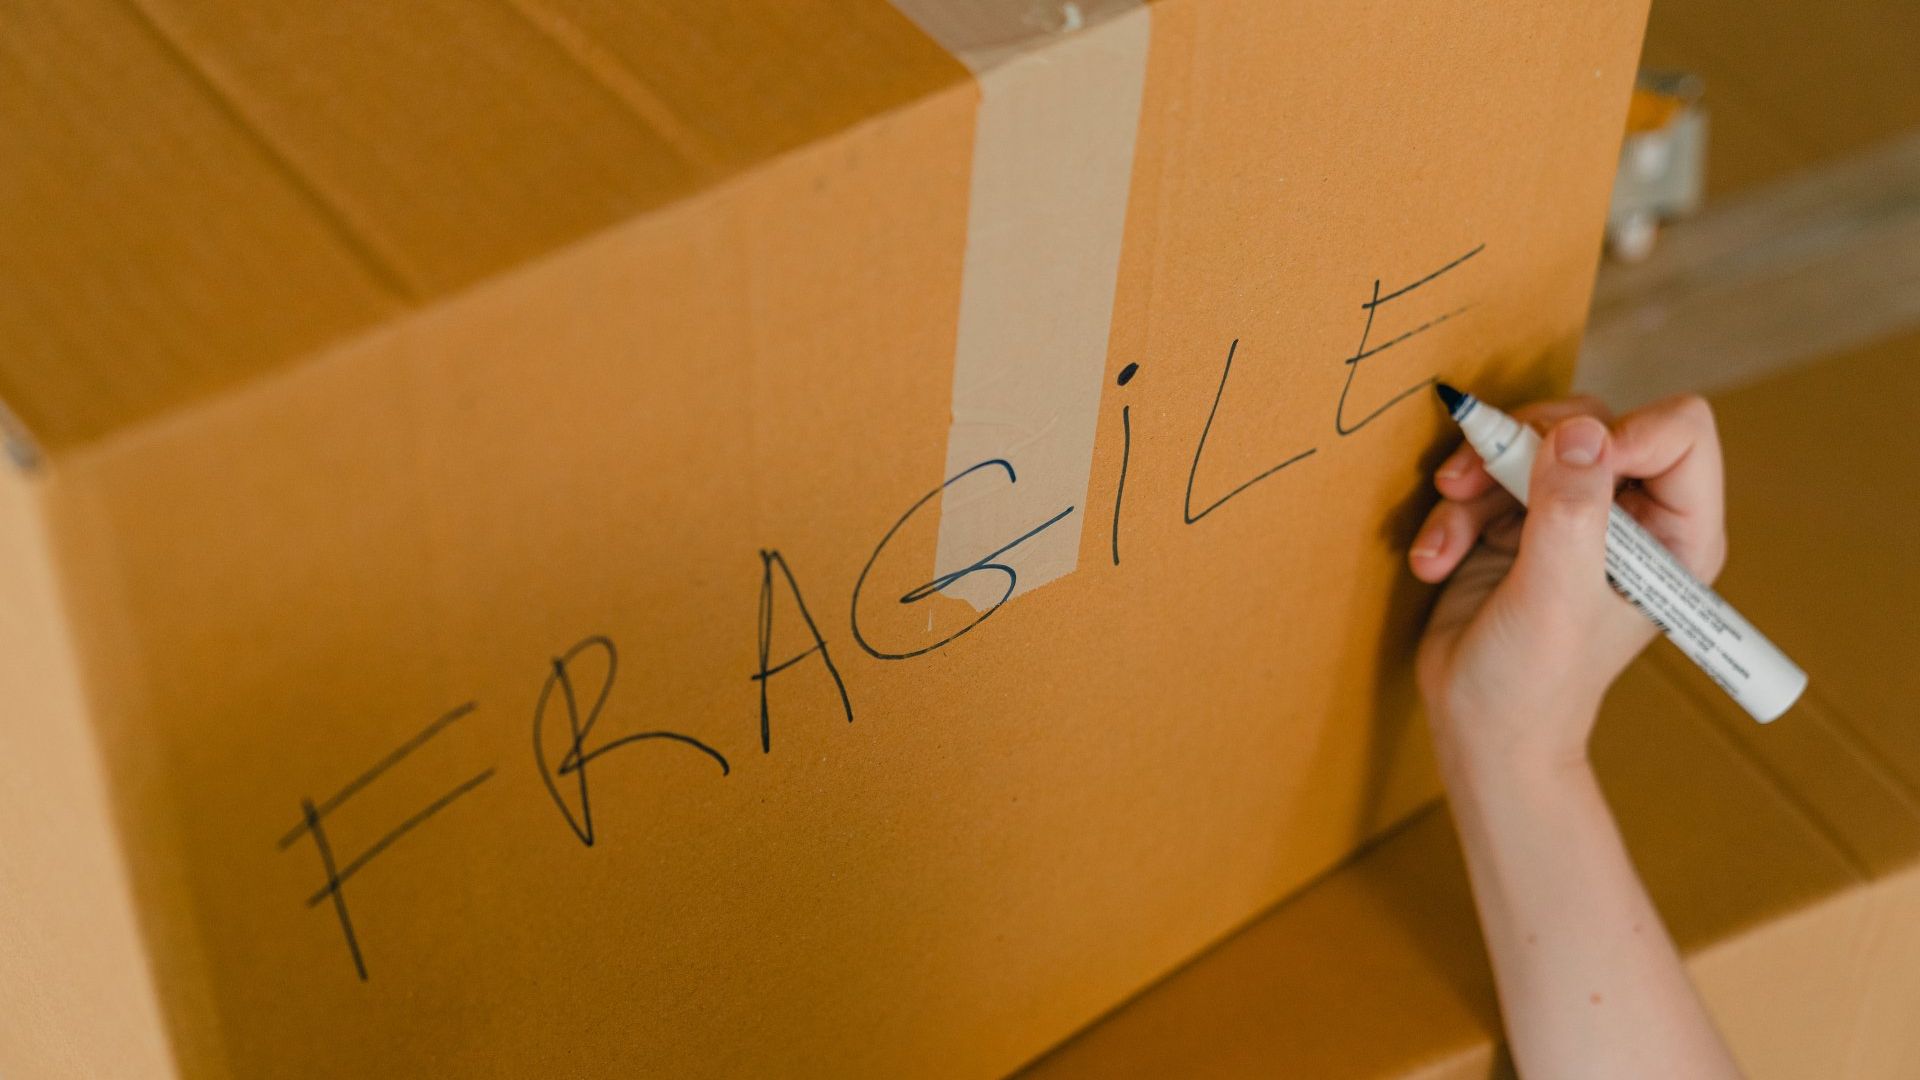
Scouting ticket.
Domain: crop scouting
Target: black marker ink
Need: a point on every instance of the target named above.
(768, 560)
(984, 563)
(1361, 353)
(1201, 447)
(577, 757)
(311, 824)
(1126, 451)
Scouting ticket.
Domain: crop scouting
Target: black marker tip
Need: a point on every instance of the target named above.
(1450, 397)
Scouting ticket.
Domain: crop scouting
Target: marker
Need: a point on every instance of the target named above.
(1706, 628)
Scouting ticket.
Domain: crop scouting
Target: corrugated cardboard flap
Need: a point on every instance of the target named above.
(200, 191)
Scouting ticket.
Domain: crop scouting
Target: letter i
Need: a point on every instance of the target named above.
(1126, 453)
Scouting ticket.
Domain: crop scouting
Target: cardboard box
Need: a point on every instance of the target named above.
(989, 455)
(1785, 858)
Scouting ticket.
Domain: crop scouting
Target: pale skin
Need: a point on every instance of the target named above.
(1524, 640)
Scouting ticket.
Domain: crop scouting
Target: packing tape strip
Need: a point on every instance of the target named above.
(1060, 92)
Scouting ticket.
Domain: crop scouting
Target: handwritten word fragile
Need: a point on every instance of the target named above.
(567, 734)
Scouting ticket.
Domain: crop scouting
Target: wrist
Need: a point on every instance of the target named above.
(1521, 797)
(1548, 747)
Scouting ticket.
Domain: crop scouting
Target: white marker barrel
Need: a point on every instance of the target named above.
(1694, 617)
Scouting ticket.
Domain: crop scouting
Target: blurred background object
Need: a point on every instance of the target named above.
(1792, 83)
(1807, 240)
(1661, 162)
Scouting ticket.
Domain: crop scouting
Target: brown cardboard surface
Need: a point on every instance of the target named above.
(280, 572)
(207, 190)
(1785, 858)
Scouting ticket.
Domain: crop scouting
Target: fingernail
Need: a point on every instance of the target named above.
(1451, 468)
(1578, 441)
(1430, 541)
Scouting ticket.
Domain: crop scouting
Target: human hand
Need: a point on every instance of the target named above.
(1527, 635)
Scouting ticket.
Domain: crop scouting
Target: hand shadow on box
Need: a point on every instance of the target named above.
(1425, 886)
(1398, 751)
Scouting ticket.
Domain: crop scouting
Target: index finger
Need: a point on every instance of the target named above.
(1673, 449)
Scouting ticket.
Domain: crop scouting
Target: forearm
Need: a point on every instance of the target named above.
(1590, 983)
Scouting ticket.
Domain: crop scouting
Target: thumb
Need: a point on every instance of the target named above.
(1564, 536)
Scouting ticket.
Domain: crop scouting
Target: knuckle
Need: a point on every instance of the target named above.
(1570, 509)
(1589, 405)
(1552, 411)
(1695, 411)
(1704, 556)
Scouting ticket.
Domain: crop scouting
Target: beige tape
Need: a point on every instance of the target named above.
(984, 34)
(1052, 163)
